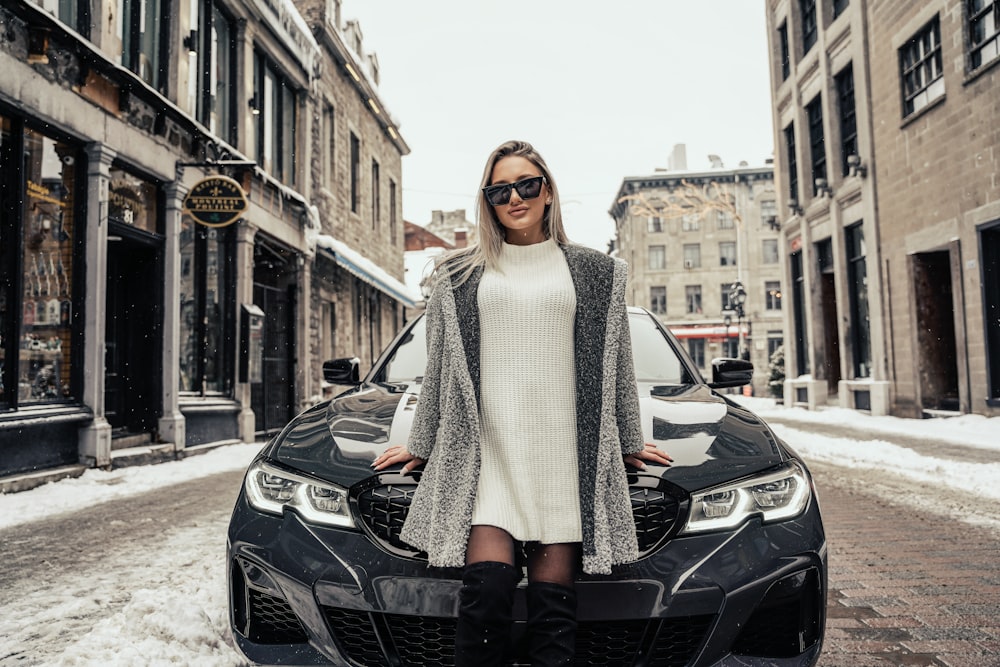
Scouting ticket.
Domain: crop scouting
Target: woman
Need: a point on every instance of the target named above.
(528, 412)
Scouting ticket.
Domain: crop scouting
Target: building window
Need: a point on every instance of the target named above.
(769, 251)
(772, 295)
(774, 341)
(38, 323)
(839, 6)
(807, 11)
(329, 331)
(655, 224)
(140, 25)
(376, 196)
(783, 44)
(692, 298)
(696, 350)
(74, 13)
(274, 112)
(692, 255)
(724, 221)
(990, 263)
(658, 300)
(817, 143)
(329, 145)
(793, 169)
(857, 280)
(848, 120)
(769, 214)
(724, 291)
(691, 222)
(920, 68)
(984, 31)
(731, 346)
(208, 276)
(657, 257)
(727, 253)
(799, 315)
(214, 48)
(393, 218)
(355, 172)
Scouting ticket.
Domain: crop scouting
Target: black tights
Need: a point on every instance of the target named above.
(550, 563)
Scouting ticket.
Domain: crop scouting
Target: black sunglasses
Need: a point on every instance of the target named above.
(527, 188)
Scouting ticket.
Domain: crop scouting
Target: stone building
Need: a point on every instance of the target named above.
(129, 321)
(884, 115)
(688, 236)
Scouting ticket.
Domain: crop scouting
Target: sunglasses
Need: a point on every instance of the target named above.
(527, 188)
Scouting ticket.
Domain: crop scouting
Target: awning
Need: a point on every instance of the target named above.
(710, 331)
(367, 270)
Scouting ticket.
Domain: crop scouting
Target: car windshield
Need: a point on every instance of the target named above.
(656, 360)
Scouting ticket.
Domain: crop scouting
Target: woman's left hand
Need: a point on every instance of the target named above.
(651, 454)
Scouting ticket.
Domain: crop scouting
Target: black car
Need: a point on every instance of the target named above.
(733, 565)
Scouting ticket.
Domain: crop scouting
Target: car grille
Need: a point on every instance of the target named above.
(272, 621)
(383, 505)
(429, 641)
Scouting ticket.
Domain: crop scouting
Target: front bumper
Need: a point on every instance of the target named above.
(305, 594)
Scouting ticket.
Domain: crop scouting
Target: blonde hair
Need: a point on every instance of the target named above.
(486, 253)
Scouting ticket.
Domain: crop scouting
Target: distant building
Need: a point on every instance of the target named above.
(454, 227)
(684, 261)
(889, 202)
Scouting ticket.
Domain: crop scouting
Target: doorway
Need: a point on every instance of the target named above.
(274, 288)
(133, 332)
(830, 319)
(937, 351)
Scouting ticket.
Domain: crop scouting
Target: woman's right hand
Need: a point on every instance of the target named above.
(397, 454)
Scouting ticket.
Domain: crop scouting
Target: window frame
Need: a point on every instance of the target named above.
(784, 52)
(658, 299)
(810, 27)
(847, 110)
(920, 95)
(693, 304)
(974, 49)
(793, 167)
(817, 141)
(659, 251)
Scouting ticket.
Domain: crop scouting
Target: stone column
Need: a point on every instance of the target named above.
(245, 234)
(95, 438)
(171, 423)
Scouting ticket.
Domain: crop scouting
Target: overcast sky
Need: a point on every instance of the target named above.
(602, 90)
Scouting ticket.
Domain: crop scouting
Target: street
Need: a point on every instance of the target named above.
(141, 579)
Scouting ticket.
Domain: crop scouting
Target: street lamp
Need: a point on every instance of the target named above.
(738, 297)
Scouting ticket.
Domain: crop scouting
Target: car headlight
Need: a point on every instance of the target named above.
(773, 496)
(271, 489)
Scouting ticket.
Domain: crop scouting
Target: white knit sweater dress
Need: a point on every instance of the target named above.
(529, 479)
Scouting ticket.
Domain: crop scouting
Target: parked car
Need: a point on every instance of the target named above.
(732, 570)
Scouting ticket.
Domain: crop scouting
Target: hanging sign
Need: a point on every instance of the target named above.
(216, 201)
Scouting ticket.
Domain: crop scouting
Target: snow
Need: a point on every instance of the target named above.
(134, 609)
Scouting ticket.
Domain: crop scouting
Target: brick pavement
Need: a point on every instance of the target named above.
(906, 588)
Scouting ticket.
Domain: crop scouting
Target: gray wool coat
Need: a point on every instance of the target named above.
(446, 428)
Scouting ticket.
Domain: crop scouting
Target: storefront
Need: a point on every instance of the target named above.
(41, 248)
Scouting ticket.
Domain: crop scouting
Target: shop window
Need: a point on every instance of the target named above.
(983, 32)
(989, 241)
(658, 300)
(775, 340)
(207, 305)
(731, 346)
(141, 25)
(274, 102)
(920, 68)
(132, 201)
(857, 279)
(37, 321)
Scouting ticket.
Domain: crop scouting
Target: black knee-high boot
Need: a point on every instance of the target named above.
(482, 635)
(551, 624)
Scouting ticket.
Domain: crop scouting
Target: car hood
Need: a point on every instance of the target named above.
(712, 440)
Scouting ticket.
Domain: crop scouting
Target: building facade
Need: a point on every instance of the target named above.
(688, 238)
(127, 321)
(884, 115)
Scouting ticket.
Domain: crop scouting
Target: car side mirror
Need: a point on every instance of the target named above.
(342, 371)
(730, 373)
